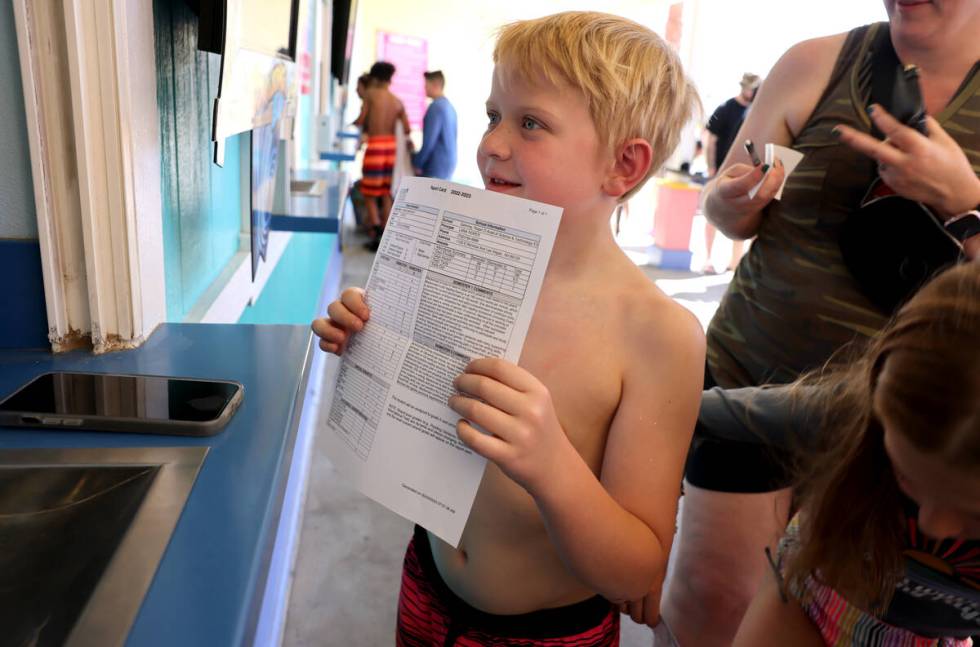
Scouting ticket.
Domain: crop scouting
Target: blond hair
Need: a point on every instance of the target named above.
(632, 80)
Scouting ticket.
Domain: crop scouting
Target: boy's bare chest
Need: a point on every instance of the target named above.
(578, 363)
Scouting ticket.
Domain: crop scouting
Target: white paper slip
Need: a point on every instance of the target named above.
(789, 157)
(456, 277)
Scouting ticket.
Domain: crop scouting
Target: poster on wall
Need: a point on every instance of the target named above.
(259, 50)
(264, 163)
(410, 56)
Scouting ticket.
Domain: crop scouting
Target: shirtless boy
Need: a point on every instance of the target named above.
(588, 432)
(380, 111)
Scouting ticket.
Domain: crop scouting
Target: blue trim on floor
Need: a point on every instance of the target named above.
(337, 157)
(24, 322)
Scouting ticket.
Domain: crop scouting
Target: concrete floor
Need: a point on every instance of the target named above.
(348, 568)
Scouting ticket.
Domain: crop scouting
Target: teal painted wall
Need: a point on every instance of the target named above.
(17, 216)
(293, 290)
(23, 319)
(201, 201)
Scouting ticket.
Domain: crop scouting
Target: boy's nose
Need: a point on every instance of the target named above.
(940, 523)
(495, 143)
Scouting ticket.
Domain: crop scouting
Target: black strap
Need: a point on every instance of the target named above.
(894, 87)
(966, 226)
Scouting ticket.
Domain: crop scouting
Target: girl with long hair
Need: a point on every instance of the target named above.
(885, 548)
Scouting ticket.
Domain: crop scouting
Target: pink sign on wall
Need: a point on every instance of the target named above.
(410, 56)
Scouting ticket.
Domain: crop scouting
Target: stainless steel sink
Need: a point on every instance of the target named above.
(81, 534)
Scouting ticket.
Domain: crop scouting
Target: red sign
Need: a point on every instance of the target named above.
(675, 25)
(410, 56)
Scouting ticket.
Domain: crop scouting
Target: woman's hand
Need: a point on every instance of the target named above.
(348, 314)
(524, 437)
(730, 193)
(932, 170)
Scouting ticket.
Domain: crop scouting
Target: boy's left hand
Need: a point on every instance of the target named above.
(646, 610)
(524, 436)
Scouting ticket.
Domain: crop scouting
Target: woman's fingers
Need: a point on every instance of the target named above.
(770, 185)
(878, 150)
(771, 180)
(738, 179)
(898, 134)
(937, 133)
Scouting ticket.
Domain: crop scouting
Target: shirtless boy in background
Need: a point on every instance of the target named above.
(587, 435)
(380, 111)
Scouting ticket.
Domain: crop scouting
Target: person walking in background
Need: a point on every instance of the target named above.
(438, 155)
(379, 113)
(721, 130)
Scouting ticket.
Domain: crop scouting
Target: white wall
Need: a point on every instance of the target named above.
(729, 38)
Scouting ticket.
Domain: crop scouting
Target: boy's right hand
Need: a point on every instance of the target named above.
(347, 316)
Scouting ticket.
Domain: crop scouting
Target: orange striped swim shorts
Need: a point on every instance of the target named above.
(379, 164)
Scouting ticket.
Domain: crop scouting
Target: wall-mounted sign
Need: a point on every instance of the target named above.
(265, 161)
(410, 56)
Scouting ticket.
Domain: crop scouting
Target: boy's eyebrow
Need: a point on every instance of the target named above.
(538, 110)
(529, 108)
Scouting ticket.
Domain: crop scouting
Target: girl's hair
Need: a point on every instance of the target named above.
(923, 373)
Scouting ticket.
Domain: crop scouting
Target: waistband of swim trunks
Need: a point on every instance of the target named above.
(544, 623)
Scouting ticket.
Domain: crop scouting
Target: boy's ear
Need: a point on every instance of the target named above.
(630, 166)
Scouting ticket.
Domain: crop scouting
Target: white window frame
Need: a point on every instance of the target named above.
(102, 240)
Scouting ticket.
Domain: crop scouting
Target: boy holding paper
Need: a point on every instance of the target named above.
(586, 437)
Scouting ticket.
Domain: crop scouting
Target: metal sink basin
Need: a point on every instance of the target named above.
(81, 534)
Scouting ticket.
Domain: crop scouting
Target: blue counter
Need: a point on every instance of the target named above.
(209, 587)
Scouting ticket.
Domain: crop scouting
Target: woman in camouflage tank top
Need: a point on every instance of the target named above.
(792, 302)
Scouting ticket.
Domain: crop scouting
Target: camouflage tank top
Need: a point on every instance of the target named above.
(792, 302)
